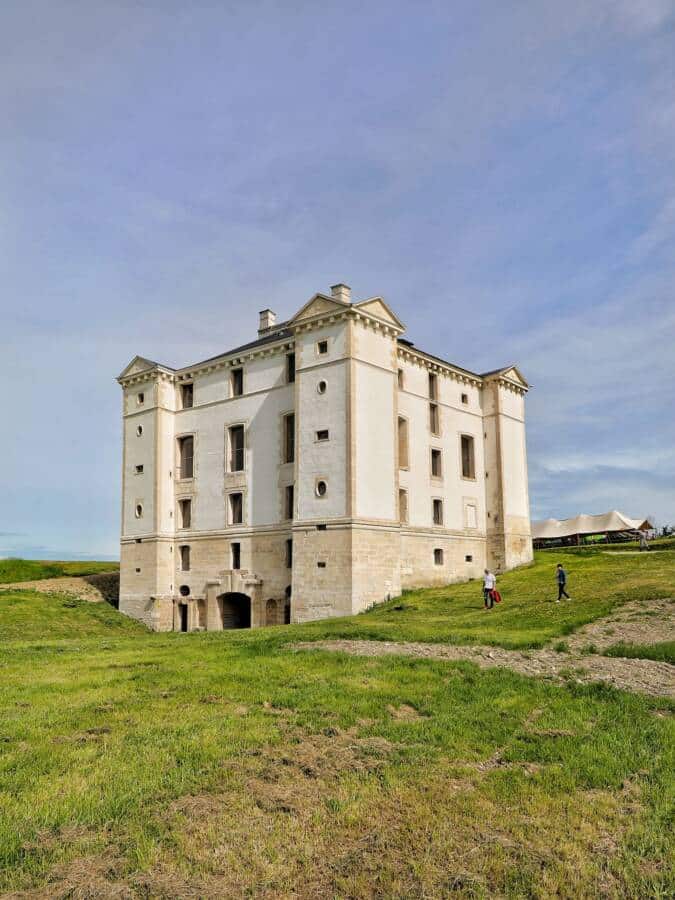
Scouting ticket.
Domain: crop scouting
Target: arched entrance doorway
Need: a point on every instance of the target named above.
(287, 606)
(235, 610)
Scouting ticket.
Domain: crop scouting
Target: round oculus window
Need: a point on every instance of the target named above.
(321, 387)
(139, 430)
(184, 590)
(321, 488)
(139, 510)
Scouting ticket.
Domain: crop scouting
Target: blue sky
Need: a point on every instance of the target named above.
(502, 173)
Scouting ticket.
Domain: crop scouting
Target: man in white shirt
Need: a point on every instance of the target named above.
(489, 584)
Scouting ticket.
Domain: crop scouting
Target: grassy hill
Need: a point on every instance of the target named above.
(227, 764)
(13, 570)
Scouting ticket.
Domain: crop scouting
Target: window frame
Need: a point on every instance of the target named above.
(181, 515)
(183, 389)
(435, 453)
(180, 439)
(231, 510)
(462, 436)
(289, 502)
(184, 555)
(437, 503)
(439, 556)
(403, 519)
(290, 367)
(435, 414)
(237, 380)
(406, 423)
(230, 447)
(287, 439)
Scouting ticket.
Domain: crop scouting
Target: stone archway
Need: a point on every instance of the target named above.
(271, 613)
(235, 610)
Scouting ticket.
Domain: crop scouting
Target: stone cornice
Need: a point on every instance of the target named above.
(420, 358)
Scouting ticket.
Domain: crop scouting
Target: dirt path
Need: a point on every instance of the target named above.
(644, 623)
(104, 586)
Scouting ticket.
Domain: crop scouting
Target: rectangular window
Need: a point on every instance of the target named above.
(322, 435)
(236, 556)
(438, 557)
(139, 470)
(186, 396)
(185, 513)
(434, 419)
(465, 398)
(290, 368)
(289, 496)
(433, 386)
(236, 509)
(400, 379)
(438, 512)
(237, 382)
(402, 443)
(322, 347)
(186, 448)
(184, 559)
(289, 438)
(140, 398)
(403, 506)
(436, 466)
(468, 461)
(468, 558)
(289, 554)
(321, 564)
(237, 448)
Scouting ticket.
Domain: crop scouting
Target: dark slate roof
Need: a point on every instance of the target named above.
(278, 335)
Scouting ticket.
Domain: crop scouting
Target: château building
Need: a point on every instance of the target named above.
(315, 471)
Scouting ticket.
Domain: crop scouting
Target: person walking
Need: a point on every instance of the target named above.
(489, 584)
(561, 576)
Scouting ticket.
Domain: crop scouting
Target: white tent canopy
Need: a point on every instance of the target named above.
(615, 521)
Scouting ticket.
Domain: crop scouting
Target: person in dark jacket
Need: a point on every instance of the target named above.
(561, 577)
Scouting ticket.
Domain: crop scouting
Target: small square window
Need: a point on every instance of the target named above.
(321, 564)
(139, 470)
(438, 557)
(322, 347)
(322, 434)
(321, 527)
(468, 558)
(138, 571)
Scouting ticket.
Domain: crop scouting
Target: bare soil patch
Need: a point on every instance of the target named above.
(103, 587)
(642, 623)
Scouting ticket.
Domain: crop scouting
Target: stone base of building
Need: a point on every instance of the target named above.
(339, 570)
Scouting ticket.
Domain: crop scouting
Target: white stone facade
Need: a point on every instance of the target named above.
(396, 470)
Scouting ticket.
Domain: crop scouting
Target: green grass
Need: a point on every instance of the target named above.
(225, 764)
(526, 619)
(664, 651)
(14, 570)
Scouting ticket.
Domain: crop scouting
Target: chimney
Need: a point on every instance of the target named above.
(267, 321)
(342, 292)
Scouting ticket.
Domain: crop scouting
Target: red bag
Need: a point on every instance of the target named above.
(496, 596)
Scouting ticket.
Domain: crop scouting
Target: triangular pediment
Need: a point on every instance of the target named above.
(137, 364)
(513, 373)
(319, 305)
(378, 308)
